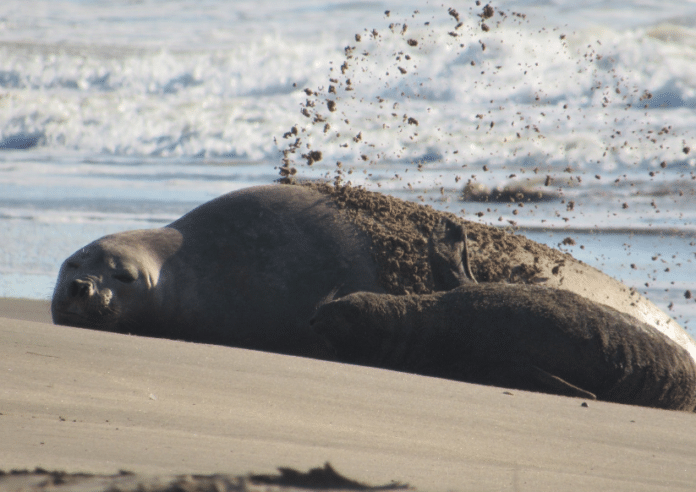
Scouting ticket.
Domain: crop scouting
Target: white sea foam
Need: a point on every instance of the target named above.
(163, 93)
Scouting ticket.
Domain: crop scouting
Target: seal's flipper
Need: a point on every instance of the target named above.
(327, 298)
(449, 256)
(554, 384)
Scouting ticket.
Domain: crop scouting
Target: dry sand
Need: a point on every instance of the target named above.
(86, 401)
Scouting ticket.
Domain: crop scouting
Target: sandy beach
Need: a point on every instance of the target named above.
(85, 401)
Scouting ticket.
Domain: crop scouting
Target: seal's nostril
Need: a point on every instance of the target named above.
(79, 288)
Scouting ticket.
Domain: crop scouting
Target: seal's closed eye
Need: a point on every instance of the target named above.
(126, 277)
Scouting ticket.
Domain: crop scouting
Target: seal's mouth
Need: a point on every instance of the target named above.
(68, 318)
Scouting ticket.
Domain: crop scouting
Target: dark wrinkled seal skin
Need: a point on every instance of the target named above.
(246, 269)
(515, 336)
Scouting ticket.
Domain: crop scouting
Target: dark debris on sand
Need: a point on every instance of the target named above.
(319, 479)
(325, 478)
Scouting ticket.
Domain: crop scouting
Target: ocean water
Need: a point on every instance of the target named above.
(126, 114)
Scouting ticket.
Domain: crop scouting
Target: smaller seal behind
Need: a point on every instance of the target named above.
(516, 336)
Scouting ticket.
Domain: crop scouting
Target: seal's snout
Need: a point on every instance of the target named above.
(82, 302)
(81, 288)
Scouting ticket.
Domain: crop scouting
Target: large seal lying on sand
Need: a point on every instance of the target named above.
(249, 268)
(516, 336)
(246, 269)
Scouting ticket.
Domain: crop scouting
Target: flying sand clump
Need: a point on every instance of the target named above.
(380, 75)
(325, 107)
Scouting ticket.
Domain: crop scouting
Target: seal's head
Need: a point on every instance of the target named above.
(359, 327)
(110, 283)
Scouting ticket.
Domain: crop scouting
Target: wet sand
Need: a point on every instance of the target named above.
(78, 400)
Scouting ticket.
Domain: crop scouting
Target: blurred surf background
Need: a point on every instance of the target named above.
(126, 114)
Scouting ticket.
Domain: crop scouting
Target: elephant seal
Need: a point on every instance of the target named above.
(516, 336)
(248, 268)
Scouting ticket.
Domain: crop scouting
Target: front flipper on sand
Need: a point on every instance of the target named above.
(449, 257)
